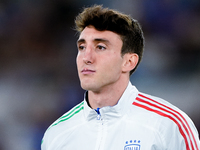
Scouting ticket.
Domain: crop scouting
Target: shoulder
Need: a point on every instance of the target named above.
(160, 107)
(65, 123)
(72, 114)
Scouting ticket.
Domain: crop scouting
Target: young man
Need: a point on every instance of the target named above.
(114, 114)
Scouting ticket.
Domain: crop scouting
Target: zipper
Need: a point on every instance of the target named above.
(101, 131)
(98, 114)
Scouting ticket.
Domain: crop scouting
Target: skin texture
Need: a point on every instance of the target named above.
(101, 68)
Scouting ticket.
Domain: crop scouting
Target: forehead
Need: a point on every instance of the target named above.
(90, 34)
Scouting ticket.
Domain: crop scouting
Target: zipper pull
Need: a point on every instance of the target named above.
(98, 114)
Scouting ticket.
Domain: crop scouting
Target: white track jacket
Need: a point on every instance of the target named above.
(138, 122)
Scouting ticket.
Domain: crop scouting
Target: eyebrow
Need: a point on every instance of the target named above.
(80, 41)
(95, 40)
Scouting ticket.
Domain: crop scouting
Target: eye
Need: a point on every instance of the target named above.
(100, 47)
(81, 47)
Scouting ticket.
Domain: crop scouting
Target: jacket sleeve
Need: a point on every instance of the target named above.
(43, 145)
(182, 135)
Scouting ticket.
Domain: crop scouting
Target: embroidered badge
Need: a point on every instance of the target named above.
(132, 145)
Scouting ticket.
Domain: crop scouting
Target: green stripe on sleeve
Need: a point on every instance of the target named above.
(66, 118)
(70, 114)
(72, 111)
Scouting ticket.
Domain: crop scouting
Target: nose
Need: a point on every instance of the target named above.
(88, 57)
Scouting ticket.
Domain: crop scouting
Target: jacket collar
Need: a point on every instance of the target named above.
(112, 112)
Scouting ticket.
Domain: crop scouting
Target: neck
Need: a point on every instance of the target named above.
(108, 96)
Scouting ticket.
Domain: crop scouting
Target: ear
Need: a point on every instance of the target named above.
(130, 62)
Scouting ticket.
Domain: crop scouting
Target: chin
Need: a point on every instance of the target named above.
(88, 87)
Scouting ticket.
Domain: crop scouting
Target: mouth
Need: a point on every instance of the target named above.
(87, 71)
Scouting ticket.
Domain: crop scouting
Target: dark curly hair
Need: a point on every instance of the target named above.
(107, 19)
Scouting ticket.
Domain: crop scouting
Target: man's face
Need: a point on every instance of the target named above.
(99, 59)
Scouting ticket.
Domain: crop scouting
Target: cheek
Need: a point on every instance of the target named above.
(78, 60)
(112, 65)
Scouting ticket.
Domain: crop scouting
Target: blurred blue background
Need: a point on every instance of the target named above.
(38, 76)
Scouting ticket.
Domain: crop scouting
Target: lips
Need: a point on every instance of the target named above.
(87, 71)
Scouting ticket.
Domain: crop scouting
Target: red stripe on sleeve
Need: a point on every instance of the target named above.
(165, 115)
(172, 112)
(177, 117)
